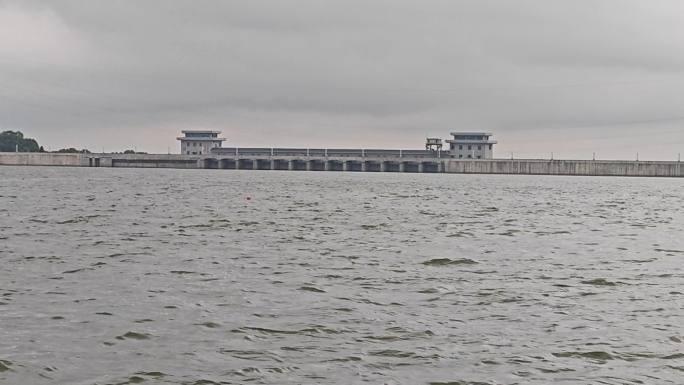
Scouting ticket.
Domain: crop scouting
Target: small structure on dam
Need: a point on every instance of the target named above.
(198, 142)
(434, 144)
(471, 145)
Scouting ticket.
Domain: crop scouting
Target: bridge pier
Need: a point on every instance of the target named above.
(309, 165)
(402, 166)
(255, 164)
(364, 166)
(290, 165)
(346, 165)
(421, 167)
(383, 166)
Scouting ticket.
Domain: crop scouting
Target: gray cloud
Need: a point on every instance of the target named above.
(565, 76)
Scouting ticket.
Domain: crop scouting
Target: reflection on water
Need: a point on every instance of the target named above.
(114, 276)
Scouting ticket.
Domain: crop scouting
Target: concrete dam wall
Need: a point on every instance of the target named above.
(148, 160)
(97, 160)
(567, 167)
(351, 160)
(40, 159)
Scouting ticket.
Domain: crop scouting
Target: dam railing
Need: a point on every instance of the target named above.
(326, 152)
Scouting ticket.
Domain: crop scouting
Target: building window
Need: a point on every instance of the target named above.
(479, 157)
(452, 146)
(188, 152)
(470, 156)
(460, 155)
(490, 146)
(470, 147)
(460, 147)
(479, 148)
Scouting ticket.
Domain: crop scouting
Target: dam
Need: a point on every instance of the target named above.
(467, 153)
(408, 161)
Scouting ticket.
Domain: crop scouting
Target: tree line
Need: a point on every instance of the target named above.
(11, 141)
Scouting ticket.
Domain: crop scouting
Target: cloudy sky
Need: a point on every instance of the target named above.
(572, 77)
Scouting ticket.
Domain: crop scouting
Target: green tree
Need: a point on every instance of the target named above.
(29, 145)
(10, 141)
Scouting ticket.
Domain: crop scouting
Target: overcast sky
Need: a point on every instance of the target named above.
(572, 77)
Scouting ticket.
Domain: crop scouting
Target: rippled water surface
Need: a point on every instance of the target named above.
(124, 276)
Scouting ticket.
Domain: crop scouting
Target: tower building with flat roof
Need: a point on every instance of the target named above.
(433, 144)
(198, 142)
(471, 145)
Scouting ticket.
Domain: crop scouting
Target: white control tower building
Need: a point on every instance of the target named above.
(471, 145)
(198, 142)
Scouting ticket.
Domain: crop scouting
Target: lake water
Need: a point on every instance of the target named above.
(123, 276)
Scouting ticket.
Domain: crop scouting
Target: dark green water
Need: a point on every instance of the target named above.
(123, 276)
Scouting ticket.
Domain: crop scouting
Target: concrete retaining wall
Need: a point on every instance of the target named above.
(40, 159)
(149, 160)
(566, 167)
(151, 163)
